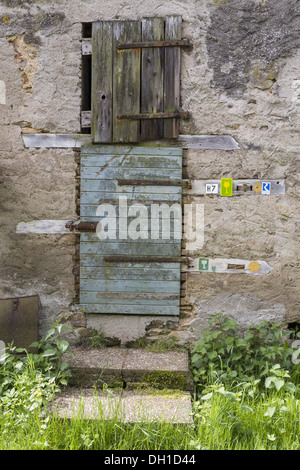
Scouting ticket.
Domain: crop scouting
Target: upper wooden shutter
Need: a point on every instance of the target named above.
(135, 87)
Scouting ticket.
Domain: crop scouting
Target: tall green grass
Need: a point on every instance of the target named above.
(239, 404)
(220, 423)
(263, 422)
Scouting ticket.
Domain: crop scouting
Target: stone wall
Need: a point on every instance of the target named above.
(241, 78)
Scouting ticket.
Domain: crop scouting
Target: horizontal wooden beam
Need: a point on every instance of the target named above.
(86, 45)
(129, 182)
(86, 116)
(147, 44)
(144, 259)
(178, 114)
(201, 142)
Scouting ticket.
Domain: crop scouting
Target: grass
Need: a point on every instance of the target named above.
(82, 434)
(261, 423)
(220, 423)
(231, 411)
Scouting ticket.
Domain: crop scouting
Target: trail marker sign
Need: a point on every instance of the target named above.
(266, 187)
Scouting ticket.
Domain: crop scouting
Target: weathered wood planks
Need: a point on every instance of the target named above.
(134, 81)
(152, 83)
(122, 286)
(172, 76)
(102, 86)
(126, 81)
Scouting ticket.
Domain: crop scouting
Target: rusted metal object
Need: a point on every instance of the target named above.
(133, 117)
(19, 321)
(146, 44)
(81, 226)
(236, 266)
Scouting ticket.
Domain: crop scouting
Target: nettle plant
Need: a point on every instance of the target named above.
(228, 355)
(29, 379)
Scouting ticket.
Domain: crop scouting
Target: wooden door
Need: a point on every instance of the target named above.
(140, 273)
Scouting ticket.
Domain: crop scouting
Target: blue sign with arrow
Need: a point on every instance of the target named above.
(266, 187)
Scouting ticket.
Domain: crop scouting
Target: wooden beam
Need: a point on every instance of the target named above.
(172, 76)
(152, 83)
(151, 44)
(102, 92)
(126, 81)
(153, 116)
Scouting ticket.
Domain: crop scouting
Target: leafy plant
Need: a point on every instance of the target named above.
(51, 349)
(97, 341)
(29, 380)
(227, 355)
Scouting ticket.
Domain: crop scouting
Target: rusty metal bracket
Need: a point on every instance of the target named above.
(183, 183)
(81, 226)
(147, 44)
(133, 117)
(235, 266)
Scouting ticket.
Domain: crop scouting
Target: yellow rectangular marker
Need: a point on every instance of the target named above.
(226, 186)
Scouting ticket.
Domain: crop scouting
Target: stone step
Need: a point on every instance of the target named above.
(128, 368)
(123, 406)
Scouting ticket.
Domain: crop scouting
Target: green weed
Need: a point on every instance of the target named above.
(247, 398)
(227, 355)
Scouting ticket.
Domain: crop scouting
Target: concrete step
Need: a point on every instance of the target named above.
(124, 406)
(130, 369)
(127, 385)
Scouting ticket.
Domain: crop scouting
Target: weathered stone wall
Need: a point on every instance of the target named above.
(241, 78)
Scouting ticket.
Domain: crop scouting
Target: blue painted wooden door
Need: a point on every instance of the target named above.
(138, 273)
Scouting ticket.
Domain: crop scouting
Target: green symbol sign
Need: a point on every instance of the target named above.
(203, 264)
(226, 186)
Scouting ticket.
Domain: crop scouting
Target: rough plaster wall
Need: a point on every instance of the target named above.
(37, 185)
(241, 78)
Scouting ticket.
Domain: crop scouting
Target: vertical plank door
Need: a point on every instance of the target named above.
(115, 81)
(140, 273)
(135, 77)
